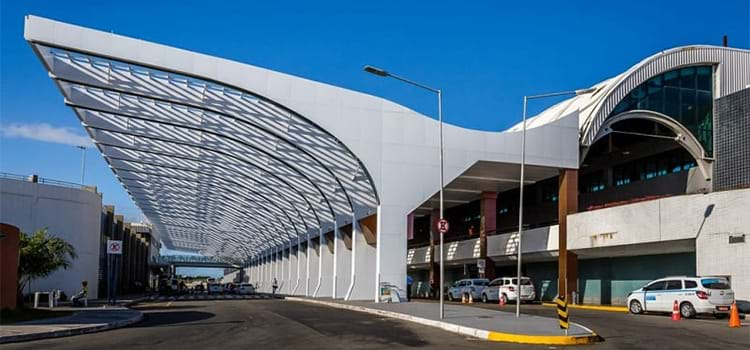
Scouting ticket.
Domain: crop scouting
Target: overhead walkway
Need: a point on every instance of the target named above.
(193, 261)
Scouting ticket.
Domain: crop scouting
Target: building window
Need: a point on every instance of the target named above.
(593, 182)
(685, 94)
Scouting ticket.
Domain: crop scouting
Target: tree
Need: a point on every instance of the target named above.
(40, 254)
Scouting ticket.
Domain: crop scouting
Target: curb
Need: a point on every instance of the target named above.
(468, 331)
(70, 332)
(622, 309)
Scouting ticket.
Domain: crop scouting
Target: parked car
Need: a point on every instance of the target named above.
(472, 286)
(229, 288)
(246, 288)
(507, 288)
(694, 295)
(215, 288)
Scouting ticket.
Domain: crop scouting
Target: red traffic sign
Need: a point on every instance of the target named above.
(443, 226)
(114, 247)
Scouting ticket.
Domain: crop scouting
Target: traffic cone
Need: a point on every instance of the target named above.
(734, 318)
(676, 312)
(463, 298)
(471, 299)
(502, 300)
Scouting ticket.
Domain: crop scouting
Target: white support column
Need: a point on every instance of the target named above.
(353, 276)
(342, 258)
(295, 290)
(326, 267)
(289, 282)
(319, 261)
(391, 247)
(307, 266)
(335, 258)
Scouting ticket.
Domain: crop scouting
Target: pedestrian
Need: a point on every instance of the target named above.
(409, 282)
(83, 294)
(274, 286)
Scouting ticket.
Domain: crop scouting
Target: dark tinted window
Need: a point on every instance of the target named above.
(481, 282)
(715, 283)
(672, 285)
(657, 285)
(690, 284)
(684, 94)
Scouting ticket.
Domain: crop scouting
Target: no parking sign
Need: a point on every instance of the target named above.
(114, 247)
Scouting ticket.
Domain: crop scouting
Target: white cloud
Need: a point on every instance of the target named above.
(45, 133)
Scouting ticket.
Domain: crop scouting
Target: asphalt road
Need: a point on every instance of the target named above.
(280, 324)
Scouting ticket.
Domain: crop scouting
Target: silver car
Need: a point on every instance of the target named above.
(471, 286)
(507, 289)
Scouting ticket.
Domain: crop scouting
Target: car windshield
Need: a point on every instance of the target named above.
(524, 281)
(715, 283)
(481, 282)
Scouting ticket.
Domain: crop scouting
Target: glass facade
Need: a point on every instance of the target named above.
(685, 94)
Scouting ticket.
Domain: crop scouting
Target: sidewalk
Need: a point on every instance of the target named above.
(479, 323)
(85, 320)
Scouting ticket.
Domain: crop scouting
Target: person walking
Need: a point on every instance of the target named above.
(83, 294)
(274, 286)
(409, 282)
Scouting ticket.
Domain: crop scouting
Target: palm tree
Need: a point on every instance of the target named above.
(40, 255)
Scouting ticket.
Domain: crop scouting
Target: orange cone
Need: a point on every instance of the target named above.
(676, 312)
(734, 318)
(502, 300)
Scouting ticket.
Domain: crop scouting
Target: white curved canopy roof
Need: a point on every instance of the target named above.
(216, 169)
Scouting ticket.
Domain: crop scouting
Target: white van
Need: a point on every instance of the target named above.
(694, 295)
(507, 288)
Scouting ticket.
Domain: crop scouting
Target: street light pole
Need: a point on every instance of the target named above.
(83, 161)
(383, 73)
(523, 166)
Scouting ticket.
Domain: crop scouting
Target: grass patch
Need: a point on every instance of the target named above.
(8, 316)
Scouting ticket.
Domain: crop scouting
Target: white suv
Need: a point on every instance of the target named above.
(507, 288)
(473, 286)
(694, 295)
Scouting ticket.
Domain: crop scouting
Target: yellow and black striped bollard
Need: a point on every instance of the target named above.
(562, 313)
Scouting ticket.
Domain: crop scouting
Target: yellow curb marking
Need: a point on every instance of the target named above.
(593, 307)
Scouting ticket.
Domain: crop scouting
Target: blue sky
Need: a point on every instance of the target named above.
(484, 55)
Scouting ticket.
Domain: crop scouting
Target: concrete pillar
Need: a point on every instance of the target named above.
(567, 261)
(487, 226)
(390, 246)
(343, 258)
(326, 265)
(313, 253)
(304, 271)
(365, 245)
(434, 272)
(9, 242)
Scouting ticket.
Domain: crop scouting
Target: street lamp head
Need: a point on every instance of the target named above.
(585, 91)
(81, 147)
(374, 70)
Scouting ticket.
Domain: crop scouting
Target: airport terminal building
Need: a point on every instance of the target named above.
(334, 193)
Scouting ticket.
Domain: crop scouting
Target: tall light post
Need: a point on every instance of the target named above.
(383, 73)
(83, 161)
(523, 166)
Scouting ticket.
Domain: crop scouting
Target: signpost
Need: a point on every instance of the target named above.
(114, 247)
(481, 266)
(443, 226)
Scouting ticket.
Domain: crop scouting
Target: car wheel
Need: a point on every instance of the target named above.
(687, 310)
(635, 307)
(484, 298)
